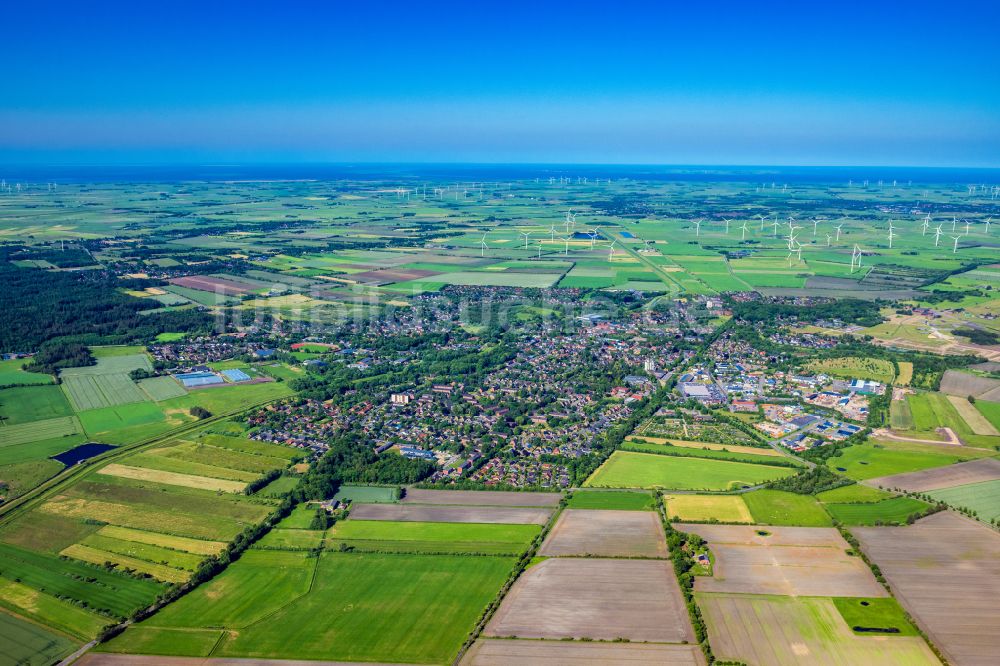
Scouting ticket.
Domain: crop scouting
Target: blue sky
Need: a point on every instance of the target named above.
(837, 83)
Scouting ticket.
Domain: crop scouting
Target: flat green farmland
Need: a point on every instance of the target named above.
(367, 494)
(24, 404)
(777, 507)
(982, 497)
(400, 536)
(621, 500)
(162, 388)
(49, 610)
(360, 607)
(291, 539)
(144, 551)
(626, 469)
(12, 374)
(29, 644)
(279, 487)
(63, 426)
(96, 391)
(93, 586)
(251, 446)
(991, 410)
(866, 461)
(893, 511)
(199, 452)
(162, 463)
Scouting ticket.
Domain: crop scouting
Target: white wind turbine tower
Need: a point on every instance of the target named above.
(988, 220)
(762, 219)
(593, 236)
(891, 236)
(937, 235)
(611, 247)
(954, 221)
(697, 227)
(926, 224)
(828, 237)
(566, 249)
(525, 234)
(539, 249)
(954, 248)
(967, 224)
(482, 246)
(552, 231)
(744, 229)
(815, 224)
(775, 225)
(726, 220)
(838, 228)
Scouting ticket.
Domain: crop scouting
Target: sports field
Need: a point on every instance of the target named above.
(626, 469)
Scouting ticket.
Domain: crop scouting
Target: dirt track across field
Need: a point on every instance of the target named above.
(451, 514)
(791, 561)
(606, 534)
(479, 498)
(595, 598)
(945, 570)
(495, 652)
(959, 474)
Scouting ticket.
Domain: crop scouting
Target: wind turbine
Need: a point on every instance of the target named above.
(988, 220)
(954, 221)
(762, 219)
(937, 235)
(611, 247)
(891, 236)
(744, 229)
(838, 228)
(566, 249)
(967, 223)
(776, 225)
(593, 236)
(552, 231)
(815, 224)
(539, 249)
(697, 227)
(954, 248)
(927, 223)
(525, 234)
(726, 220)
(828, 237)
(482, 246)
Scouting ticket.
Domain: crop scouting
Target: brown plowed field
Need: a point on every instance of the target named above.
(959, 474)
(494, 652)
(479, 498)
(606, 534)
(212, 284)
(945, 570)
(451, 514)
(594, 598)
(792, 561)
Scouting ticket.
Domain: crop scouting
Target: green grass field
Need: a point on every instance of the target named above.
(95, 587)
(36, 431)
(617, 500)
(853, 367)
(695, 452)
(25, 404)
(626, 469)
(991, 410)
(854, 493)
(708, 508)
(983, 498)
(279, 487)
(161, 388)
(49, 610)
(777, 507)
(867, 461)
(870, 613)
(416, 537)
(360, 607)
(11, 374)
(93, 391)
(291, 539)
(26, 643)
(893, 511)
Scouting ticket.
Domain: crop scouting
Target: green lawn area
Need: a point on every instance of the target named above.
(982, 497)
(25, 404)
(893, 511)
(387, 535)
(359, 607)
(777, 507)
(625, 469)
(871, 613)
(279, 486)
(621, 500)
(694, 452)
